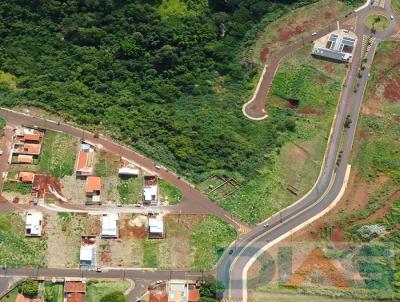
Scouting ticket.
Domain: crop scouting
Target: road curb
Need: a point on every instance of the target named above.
(287, 234)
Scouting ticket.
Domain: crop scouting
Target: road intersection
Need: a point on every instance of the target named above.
(232, 268)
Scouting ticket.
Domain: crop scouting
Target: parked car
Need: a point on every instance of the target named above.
(314, 33)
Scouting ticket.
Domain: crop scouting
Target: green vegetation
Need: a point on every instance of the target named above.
(8, 80)
(377, 22)
(29, 288)
(211, 289)
(58, 154)
(16, 249)
(209, 240)
(314, 87)
(169, 193)
(97, 290)
(130, 189)
(114, 297)
(107, 164)
(150, 253)
(53, 292)
(171, 85)
(13, 186)
(11, 296)
(3, 123)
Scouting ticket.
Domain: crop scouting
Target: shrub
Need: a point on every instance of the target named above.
(114, 297)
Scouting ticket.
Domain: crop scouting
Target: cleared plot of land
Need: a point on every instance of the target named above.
(130, 189)
(107, 164)
(16, 250)
(291, 26)
(169, 193)
(65, 230)
(58, 154)
(304, 92)
(98, 289)
(191, 241)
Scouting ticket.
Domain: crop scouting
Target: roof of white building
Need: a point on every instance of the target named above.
(128, 171)
(109, 225)
(149, 191)
(87, 252)
(34, 223)
(156, 225)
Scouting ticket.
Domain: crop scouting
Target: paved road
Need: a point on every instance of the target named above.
(232, 270)
(193, 200)
(142, 278)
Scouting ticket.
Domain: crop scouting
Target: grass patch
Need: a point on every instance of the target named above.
(377, 22)
(209, 240)
(11, 296)
(106, 164)
(98, 289)
(174, 8)
(130, 190)
(58, 154)
(316, 85)
(169, 193)
(150, 253)
(53, 292)
(9, 80)
(13, 186)
(16, 250)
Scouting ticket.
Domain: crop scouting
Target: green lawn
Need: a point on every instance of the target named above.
(13, 186)
(107, 164)
(58, 154)
(169, 193)
(377, 22)
(315, 84)
(53, 292)
(130, 190)
(150, 252)
(16, 250)
(11, 296)
(210, 239)
(98, 289)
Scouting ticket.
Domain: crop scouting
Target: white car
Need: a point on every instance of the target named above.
(391, 17)
(314, 33)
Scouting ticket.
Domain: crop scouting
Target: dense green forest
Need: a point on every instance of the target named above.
(167, 77)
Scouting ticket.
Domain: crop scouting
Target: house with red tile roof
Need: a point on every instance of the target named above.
(93, 188)
(26, 177)
(74, 291)
(85, 161)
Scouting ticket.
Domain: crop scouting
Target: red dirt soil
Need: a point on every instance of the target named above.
(129, 231)
(329, 69)
(264, 53)
(288, 32)
(338, 238)
(392, 90)
(317, 260)
(41, 185)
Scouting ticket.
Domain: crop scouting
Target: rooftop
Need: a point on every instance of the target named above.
(74, 287)
(26, 177)
(93, 184)
(109, 226)
(156, 225)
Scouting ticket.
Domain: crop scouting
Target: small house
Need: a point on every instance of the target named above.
(177, 291)
(150, 190)
(156, 227)
(87, 255)
(25, 159)
(26, 177)
(128, 171)
(74, 291)
(93, 188)
(33, 224)
(109, 225)
(34, 138)
(84, 165)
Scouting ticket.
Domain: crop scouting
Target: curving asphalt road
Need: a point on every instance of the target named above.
(232, 269)
(194, 202)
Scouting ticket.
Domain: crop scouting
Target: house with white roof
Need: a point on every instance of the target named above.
(150, 190)
(34, 224)
(156, 227)
(109, 225)
(87, 255)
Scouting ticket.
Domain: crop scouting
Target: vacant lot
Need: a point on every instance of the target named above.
(191, 241)
(58, 154)
(169, 193)
(107, 164)
(16, 250)
(130, 189)
(305, 90)
(98, 289)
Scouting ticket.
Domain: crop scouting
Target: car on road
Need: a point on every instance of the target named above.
(391, 17)
(230, 252)
(157, 167)
(98, 269)
(266, 225)
(314, 33)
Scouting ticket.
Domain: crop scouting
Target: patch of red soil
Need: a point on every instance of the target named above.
(316, 260)
(289, 31)
(129, 231)
(329, 68)
(362, 134)
(328, 14)
(264, 53)
(382, 211)
(41, 185)
(392, 90)
(310, 111)
(338, 237)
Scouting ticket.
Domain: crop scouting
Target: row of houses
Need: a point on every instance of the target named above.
(27, 145)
